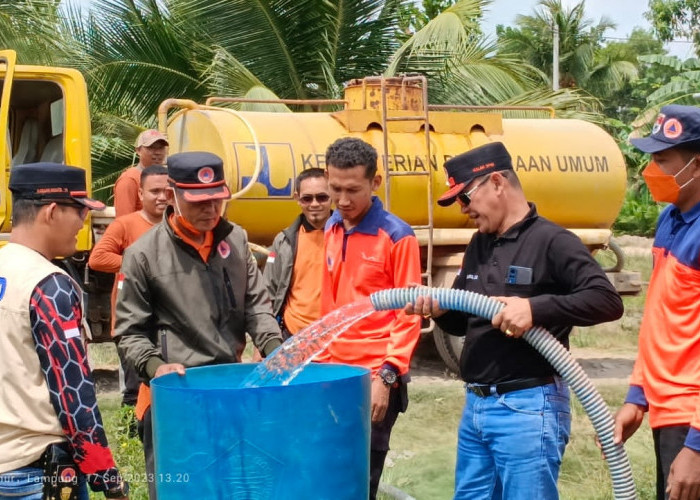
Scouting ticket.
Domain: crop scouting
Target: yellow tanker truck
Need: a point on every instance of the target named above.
(571, 169)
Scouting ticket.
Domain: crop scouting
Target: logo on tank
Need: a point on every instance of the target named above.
(205, 175)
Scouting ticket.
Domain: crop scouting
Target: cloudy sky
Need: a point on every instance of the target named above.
(625, 13)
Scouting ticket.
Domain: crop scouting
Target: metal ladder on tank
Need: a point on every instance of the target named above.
(427, 276)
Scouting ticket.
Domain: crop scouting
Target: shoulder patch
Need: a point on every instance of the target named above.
(3, 287)
(224, 249)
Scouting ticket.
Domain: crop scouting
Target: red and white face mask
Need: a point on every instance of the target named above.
(662, 186)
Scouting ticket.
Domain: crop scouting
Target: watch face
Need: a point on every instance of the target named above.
(388, 376)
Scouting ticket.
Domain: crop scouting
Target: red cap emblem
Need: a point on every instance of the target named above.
(205, 175)
(673, 129)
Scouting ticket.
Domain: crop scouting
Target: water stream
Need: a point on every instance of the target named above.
(290, 358)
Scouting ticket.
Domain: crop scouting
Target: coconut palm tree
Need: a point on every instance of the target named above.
(581, 64)
(136, 53)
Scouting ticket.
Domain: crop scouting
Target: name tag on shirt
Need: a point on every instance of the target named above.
(519, 275)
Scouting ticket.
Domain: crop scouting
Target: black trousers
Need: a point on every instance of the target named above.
(668, 442)
(132, 381)
(381, 434)
(145, 428)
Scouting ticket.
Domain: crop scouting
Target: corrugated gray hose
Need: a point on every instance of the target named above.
(552, 350)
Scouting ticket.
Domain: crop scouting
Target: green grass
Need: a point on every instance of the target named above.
(424, 441)
(128, 452)
(422, 458)
(621, 335)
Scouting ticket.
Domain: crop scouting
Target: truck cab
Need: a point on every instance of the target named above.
(44, 117)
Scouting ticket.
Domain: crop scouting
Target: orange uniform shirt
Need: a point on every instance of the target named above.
(665, 375)
(304, 299)
(107, 254)
(126, 192)
(379, 253)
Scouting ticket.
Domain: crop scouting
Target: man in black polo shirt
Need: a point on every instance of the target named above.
(516, 419)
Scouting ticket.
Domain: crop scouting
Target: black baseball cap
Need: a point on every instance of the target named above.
(675, 125)
(464, 168)
(51, 182)
(199, 176)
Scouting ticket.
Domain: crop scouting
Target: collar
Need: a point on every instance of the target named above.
(688, 216)
(369, 224)
(516, 229)
(222, 229)
(307, 225)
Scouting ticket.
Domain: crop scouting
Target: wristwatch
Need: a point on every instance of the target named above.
(119, 492)
(388, 376)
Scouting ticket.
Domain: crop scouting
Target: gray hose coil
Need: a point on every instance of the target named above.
(552, 350)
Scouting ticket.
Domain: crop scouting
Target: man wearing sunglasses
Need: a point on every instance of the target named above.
(295, 265)
(516, 419)
(49, 419)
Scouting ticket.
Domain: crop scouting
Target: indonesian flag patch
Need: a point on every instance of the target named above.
(271, 257)
(120, 281)
(70, 329)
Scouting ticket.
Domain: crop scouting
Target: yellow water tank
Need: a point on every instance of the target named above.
(573, 170)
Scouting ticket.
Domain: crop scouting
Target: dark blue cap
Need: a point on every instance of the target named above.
(675, 125)
(51, 182)
(464, 168)
(198, 175)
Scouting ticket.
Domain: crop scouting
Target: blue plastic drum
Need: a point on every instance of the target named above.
(307, 440)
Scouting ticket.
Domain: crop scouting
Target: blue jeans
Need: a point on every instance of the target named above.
(511, 445)
(26, 483)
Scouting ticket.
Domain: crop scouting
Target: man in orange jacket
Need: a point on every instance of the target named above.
(107, 255)
(665, 379)
(368, 249)
(152, 149)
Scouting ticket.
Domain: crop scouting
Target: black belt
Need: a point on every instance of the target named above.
(484, 390)
(40, 463)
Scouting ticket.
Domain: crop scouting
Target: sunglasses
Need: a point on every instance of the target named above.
(466, 196)
(309, 198)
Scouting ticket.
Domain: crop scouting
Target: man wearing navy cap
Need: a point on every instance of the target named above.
(665, 379)
(190, 289)
(516, 419)
(48, 409)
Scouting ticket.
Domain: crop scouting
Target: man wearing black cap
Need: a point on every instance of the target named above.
(52, 440)
(665, 379)
(190, 289)
(516, 419)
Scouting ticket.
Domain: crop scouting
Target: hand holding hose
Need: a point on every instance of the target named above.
(515, 318)
(425, 306)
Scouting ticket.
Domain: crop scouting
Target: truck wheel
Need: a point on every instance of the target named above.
(449, 347)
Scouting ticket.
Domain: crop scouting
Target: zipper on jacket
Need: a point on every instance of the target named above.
(229, 289)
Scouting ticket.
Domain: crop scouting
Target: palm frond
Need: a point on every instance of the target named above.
(444, 36)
